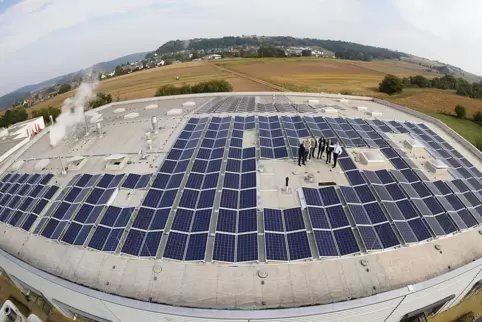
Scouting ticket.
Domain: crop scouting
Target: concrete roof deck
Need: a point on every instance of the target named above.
(221, 285)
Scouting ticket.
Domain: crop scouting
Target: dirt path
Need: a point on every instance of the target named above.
(275, 87)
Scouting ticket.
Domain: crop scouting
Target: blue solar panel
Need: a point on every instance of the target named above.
(248, 199)
(421, 190)
(293, 219)
(229, 199)
(73, 193)
(399, 163)
(152, 198)
(211, 181)
(454, 202)
(276, 247)
(167, 199)
(325, 243)
(249, 165)
(29, 222)
(420, 229)
(231, 180)
(267, 153)
(395, 191)
(133, 242)
(247, 248)
(110, 216)
(196, 247)
(113, 240)
(151, 244)
(217, 153)
(410, 175)
(247, 221)
(329, 196)
(189, 199)
(176, 243)
(142, 183)
(364, 194)
(132, 179)
(298, 245)
(182, 220)
(201, 221)
(346, 241)
(233, 165)
(375, 213)
(387, 236)
(160, 218)
(349, 194)
(467, 218)
(206, 199)
(312, 197)
(446, 223)
(406, 232)
(224, 248)
(359, 214)
(318, 218)
(384, 176)
(248, 180)
(433, 205)
(407, 210)
(235, 153)
(227, 221)
(369, 238)
(249, 153)
(195, 181)
(99, 237)
(214, 166)
(273, 220)
(337, 217)
(355, 178)
(144, 218)
(347, 164)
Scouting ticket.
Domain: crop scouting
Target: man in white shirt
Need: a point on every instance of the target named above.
(336, 152)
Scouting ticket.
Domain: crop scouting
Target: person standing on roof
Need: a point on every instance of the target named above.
(321, 147)
(314, 145)
(337, 150)
(301, 154)
(307, 144)
(329, 150)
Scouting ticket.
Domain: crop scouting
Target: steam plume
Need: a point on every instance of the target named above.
(72, 114)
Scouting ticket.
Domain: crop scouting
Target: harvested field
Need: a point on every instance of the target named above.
(436, 100)
(144, 84)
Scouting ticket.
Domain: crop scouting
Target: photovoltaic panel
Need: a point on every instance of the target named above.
(227, 220)
(329, 196)
(273, 220)
(196, 247)
(420, 229)
(349, 194)
(337, 217)
(298, 245)
(229, 199)
(247, 199)
(247, 221)
(387, 236)
(359, 214)
(247, 248)
(293, 219)
(312, 196)
(318, 218)
(370, 238)
(364, 194)
(175, 246)
(275, 247)
(224, 245)
(407, 210)
(182, 220)
(325, 243)
(346, 241)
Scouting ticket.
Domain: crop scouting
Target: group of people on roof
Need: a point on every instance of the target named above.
(308, 148)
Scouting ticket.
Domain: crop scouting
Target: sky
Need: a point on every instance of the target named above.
(42, 39)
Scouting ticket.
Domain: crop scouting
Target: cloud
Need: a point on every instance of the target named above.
(41, 39)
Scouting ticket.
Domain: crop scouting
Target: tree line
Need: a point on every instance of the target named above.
(214, 86)
(348, 49)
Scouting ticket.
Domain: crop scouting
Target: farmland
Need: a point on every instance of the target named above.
(296, 74)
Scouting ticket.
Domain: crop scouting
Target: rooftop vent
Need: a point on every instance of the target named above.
(413, 144)
(151, 107)
(361, 108)
(116, 162)
(174, 111)
(374, 113)
(342, 100)
(436, 166)
(131, 116)
(370, 157)
(119, 110)
(312, 102)
(76, 163)
(42, 164)
(189, 104)
(329, 110)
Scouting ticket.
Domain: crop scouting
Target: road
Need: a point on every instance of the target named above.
(275, 87)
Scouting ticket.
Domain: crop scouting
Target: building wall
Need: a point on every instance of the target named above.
(389, 306)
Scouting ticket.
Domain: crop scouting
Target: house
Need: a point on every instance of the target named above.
(212, 57)
(111, 74)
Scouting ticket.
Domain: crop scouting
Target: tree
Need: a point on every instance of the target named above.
(64, 88)
(420, 81)
(196, 55)
(391, 84)
(477, 117)
(460, 111)
(306, 53)
(100, 99)
(13, 116)
(46, 112)
(213, 86)
(464, 88)
(478, 143)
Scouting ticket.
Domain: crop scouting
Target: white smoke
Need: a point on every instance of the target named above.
(185, 44)
(72, 113)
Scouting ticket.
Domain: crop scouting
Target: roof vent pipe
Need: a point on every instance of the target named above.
(99, 130)
(155, 127)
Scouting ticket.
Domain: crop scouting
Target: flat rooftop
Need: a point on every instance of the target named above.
(193, 209)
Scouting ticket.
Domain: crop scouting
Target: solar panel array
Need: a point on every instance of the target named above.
(23, 197)
(248, 104)
(202, 204)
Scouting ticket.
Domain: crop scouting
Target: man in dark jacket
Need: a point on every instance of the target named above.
(321, 147)
(301, 154)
